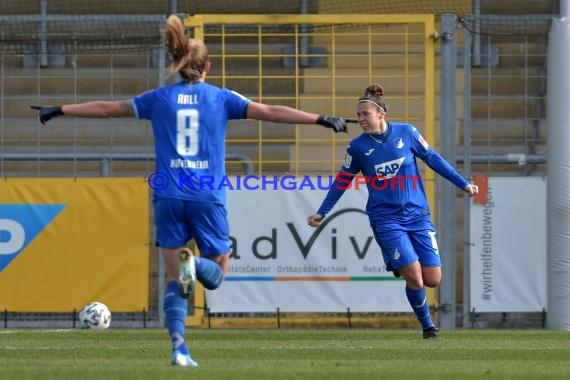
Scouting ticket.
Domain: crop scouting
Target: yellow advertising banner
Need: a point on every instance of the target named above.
(65, 242)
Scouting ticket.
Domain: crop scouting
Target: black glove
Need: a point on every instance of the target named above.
(338, 124)
(48, 112)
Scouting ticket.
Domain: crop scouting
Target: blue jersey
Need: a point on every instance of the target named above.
(387, 164)
(189, 125)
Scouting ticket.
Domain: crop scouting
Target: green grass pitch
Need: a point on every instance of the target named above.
(312, 354)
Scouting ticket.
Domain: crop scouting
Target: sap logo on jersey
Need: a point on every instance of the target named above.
(390, 168)
(19, 225)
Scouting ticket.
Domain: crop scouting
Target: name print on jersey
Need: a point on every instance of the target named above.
(187, 99)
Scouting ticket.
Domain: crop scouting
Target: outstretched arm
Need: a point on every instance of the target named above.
(439, 165)
(421, 149)
(284, 114)
(280, 114)
(100, 109)
(96, 109)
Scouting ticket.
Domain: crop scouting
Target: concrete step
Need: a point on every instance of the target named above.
(518, 48)
(403, 6)
(70, 167)
(486, 148)
(65, 130)
(127, 57)
(514, 60)
(508, 169)
(319, 157)
(378, 62)
(521, 54)
(251, 131)
(243, 58)
(274, 159)
(508, 107)
(326, 157)
(534, 38)
(127, 83)
(507, 131)
(98, 7)
(67, 81)
(355, 43)
(128, 131)
(522, 7)
(56, 169)
(410, 109)
(507, 81)
(378, 34)
(117, 59)
(243, 45)
(352, 81)
(149, 7)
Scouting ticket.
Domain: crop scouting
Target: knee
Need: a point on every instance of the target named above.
(413, 276)
(414, 282)
(431, 278)
(431, 283)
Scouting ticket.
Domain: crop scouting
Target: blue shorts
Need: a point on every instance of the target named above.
(178, 221)
(401, 247)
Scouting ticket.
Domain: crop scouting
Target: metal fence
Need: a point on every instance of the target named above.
(503, 130)
(320, 64)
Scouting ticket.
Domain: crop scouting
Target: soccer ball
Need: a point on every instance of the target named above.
(95, 315)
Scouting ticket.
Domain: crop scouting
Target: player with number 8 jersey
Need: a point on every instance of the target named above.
(192, 154)
(189, 121)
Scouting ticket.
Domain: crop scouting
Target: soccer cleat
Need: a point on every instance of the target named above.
(187, 277)
(181, 360)
(431, 333)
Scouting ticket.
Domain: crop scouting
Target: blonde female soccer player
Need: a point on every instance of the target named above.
(189, 121)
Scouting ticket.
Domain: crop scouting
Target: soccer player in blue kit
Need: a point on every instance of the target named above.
(189, 121)
(385, 153)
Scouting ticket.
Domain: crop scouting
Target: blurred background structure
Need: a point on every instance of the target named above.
(64, 51)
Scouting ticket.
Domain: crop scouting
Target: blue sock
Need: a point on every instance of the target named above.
(418, 300)
(175, 309)
(209, 273)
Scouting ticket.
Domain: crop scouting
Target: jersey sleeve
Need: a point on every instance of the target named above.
(143, 104)
(351, 162)
(420, 147)
(236, 104)
(435, 161)
(439, 165)
(350, 167)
